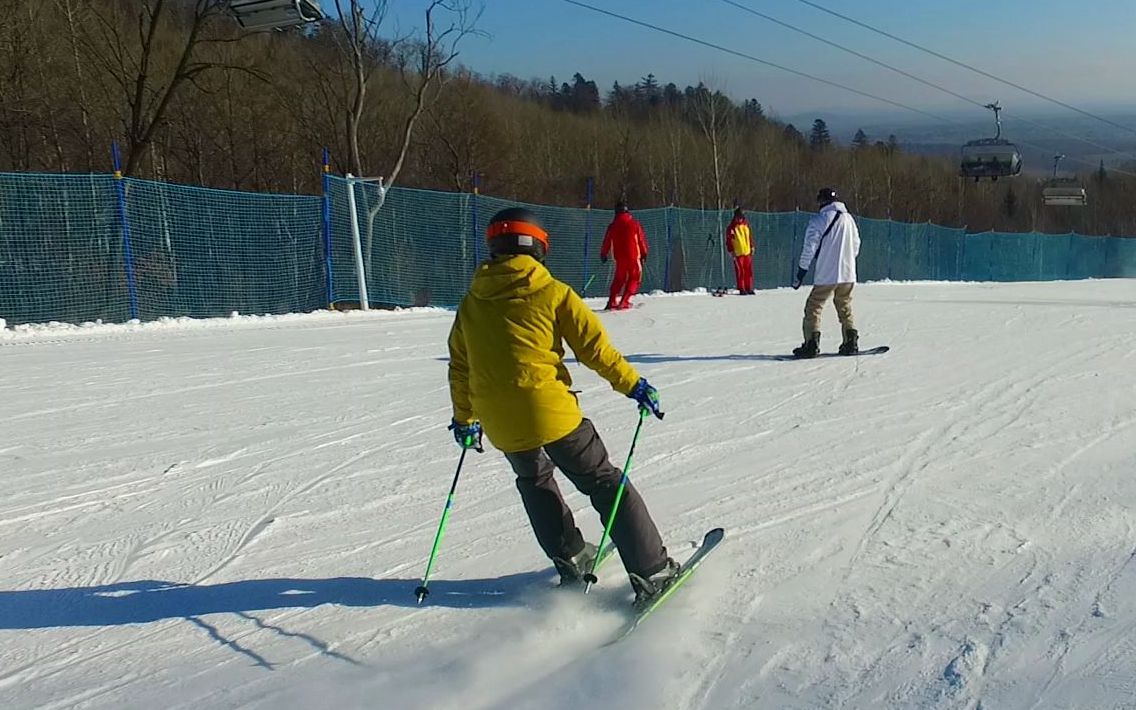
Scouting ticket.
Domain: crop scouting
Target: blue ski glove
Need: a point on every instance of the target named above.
(799, 278)
(647, 397)
(468, 436)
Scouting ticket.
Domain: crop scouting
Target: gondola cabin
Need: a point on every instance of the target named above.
(990, 158)
(255, 15)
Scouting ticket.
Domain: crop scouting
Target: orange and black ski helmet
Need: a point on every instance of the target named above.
(517, 231)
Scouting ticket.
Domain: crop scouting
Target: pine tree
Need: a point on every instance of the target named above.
(860, 141)
(1101, 174)
(793, 134)
(893, 144)
(585, 94)
(617, 96)
(819, 137)
(648, 89)
(752, 110)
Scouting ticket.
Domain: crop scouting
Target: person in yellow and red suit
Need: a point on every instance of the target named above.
(626, 240)
(507, 375)
(739, 242)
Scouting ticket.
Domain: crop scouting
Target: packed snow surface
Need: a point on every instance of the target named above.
(235, 514)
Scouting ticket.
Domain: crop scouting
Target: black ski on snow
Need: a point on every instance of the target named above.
(879, 350)
(685, 571)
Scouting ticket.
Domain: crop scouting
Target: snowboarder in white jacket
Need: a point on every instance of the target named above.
(833, 239)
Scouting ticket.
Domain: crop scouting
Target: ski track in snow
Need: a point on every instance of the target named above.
(236, 516)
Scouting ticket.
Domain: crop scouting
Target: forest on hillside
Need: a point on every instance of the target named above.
(192, 99)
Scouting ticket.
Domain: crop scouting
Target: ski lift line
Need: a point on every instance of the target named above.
(1043, 149)
(1090, 163)
(921, 80)
(968, 67)
(758, 60)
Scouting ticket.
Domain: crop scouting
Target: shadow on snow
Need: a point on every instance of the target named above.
(146, 601)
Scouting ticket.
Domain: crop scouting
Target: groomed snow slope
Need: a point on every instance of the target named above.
(213, 517)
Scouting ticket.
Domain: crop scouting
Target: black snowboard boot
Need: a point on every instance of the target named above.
(809, 348)
(851, 344)
(572, 570)
(647, 588)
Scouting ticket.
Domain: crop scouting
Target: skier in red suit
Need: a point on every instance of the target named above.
(626, 241)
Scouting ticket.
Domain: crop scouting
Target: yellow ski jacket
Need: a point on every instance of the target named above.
(507, 354)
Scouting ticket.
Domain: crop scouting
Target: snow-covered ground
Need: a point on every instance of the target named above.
(214, 517)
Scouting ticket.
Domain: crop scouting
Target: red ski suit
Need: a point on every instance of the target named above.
(625, 241)
(739, 242)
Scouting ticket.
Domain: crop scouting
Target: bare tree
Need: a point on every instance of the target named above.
(713, 111)
(361, 44)
(74, 13)
(421, 62)
(148, 68)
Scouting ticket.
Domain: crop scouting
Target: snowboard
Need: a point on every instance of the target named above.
(878, 350)
(686, 571)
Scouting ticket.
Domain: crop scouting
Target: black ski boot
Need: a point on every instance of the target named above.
(647, 588)
(572, 570)
(851, 344)
(809, 348)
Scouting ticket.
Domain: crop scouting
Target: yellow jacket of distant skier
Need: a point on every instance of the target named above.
(739, 242)
(507, 354)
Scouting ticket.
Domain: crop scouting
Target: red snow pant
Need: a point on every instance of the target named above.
(628, 275)
(743, 269)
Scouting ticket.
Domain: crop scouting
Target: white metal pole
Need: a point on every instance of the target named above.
(360, 274)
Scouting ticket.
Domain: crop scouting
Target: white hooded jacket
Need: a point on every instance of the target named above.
(836, 262)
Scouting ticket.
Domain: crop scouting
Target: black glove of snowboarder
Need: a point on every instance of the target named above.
(603, 259)
(799, 278)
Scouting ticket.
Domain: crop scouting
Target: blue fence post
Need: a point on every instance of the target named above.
(327, 228)
(124, 223)
(475, 179)
(667, 212)
(589, 190)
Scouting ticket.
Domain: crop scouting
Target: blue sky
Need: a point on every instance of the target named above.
(1081, 52)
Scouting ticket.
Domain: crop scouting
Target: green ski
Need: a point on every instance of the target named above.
(686, 570)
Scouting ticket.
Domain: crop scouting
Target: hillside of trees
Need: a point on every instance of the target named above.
(193, 100)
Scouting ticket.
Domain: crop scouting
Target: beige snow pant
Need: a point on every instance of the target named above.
(842, 297)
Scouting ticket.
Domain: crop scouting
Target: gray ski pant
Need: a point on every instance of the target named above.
(582, 457)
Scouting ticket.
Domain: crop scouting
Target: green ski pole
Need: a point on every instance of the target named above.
(422, 591)
(590, 577)
(590, 280)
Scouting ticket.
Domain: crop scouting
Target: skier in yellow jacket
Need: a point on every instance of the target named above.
(739, 242)
(507, 374)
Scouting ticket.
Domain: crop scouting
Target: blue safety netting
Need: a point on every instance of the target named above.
(80, 248)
